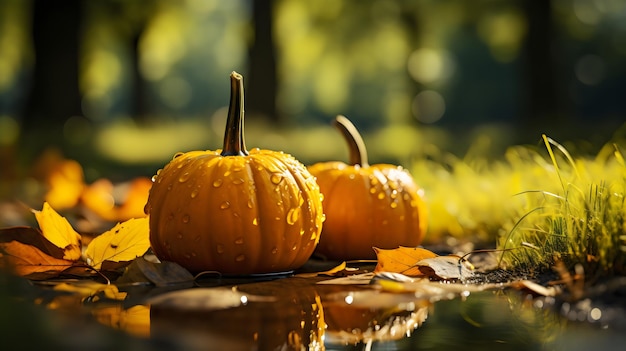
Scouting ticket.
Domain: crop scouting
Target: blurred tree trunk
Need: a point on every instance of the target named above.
(262, 81)
(54, 94)
(542, 102)
(139, 101)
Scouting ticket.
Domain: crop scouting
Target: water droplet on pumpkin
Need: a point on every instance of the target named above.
(255, 222)
(250, 204)
(279, 203)
(374, 181)
(194, 193)
(227, 173)
(294, 247)
(184, 177)
(274, 250)
(170, 217)
(394, 194)
(177, 155)
(372, 190)
(154, 178)
(238, 181)
(240, 258)
(293, 215)
(381, 195)
(225, 205)
(276, 178)
(394, 205)
(217, 183)
(186, 219)
(220, 248)
(239, 240)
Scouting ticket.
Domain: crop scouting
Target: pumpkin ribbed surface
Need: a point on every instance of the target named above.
(232, 210)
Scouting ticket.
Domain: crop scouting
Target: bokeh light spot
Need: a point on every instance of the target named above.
(9, 130)
(590, 69)
(428, 106)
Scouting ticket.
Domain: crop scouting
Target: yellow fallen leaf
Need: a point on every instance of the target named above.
(27, 260)
(401, 260)
(91, 288)
(59, 231)
(125, 242)
(342, 266)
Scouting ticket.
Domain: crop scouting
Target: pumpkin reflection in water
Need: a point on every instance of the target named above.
(286, 314)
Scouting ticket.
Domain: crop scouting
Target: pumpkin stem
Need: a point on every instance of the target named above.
(358, 153)
(234, 144)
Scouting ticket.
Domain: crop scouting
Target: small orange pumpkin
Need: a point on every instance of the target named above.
(232, 210)
(367, 206)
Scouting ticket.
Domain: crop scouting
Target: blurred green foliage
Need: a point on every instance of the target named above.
(152, 75)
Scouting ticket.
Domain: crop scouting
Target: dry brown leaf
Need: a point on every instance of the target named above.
(401, 260)
(59, 231)
(27, 260)
(445, 267)
(30, 236)
(124, 242)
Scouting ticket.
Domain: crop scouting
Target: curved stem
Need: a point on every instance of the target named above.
(234, 144)
(358, 153)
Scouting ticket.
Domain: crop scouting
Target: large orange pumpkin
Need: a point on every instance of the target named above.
(367, 205)
(232, 210)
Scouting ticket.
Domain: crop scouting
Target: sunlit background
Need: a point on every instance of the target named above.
(122, 85)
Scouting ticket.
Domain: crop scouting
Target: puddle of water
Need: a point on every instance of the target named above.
(292, 314)
(296, 314)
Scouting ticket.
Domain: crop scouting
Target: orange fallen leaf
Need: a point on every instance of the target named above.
(59, 231)
(135, 201)
(65, 183)
(99, 197)
(27, 260)
(124, 242)
(401, 260)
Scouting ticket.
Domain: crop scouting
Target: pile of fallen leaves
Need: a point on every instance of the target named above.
(55, 248)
